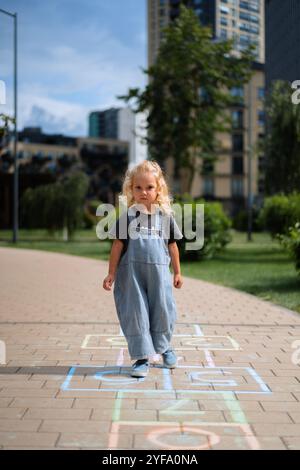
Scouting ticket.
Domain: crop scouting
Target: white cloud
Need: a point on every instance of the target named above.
(68, 72)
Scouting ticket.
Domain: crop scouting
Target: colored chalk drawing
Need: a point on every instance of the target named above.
(200, 380)
(180, 342)
(219, 382)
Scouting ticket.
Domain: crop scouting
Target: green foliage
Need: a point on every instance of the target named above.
(291, 242)
(5, 120)
(240, 221)
(280, 212)
(56, 206)
(282, 143)
(89, 216)
(216, 229)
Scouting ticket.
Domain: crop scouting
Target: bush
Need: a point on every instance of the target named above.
(216, 231)
(56, 206)
(33, 206)
(280, 212)
(240, 221)
(291, 243)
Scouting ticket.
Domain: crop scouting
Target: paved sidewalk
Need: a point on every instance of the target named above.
(65, 384)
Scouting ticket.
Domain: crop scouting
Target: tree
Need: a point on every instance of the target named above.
(4, 129)
(56, 206)
(187, 97)
(282, 142)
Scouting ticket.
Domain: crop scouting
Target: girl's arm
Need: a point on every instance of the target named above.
(115, 255)
(174, 254)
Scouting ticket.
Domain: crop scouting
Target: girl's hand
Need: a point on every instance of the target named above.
(108, 281)
(177, 281)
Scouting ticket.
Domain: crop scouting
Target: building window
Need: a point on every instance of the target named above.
(237, 187)
(237, 119)
(207, 167)
(244, 27)
(224, 21)
(208, 186)
(261, 163)
(251, 6)
(223, 33)
(248, 17)
(261, 117)
(237, 165)
(244, 39)
(237, 92)
(237, 143)
(260, 93)
(224, 10)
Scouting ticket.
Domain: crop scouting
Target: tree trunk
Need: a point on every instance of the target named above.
(191, 169)
(65, 234)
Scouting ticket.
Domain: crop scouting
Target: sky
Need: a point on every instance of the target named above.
(74, 57)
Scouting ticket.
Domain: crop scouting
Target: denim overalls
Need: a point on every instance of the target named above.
(143, 292)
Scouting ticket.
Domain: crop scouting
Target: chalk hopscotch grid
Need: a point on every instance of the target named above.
(161, 428)
(166, 427)
(167, 381)
(119, 341)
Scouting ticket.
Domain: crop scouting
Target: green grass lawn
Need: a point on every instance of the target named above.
(259, 267)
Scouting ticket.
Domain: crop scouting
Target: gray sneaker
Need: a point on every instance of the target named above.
(140, 368)
(169, 359)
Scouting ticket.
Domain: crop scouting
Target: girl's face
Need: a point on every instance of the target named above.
(145, 190)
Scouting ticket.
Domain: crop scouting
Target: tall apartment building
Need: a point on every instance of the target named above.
(243, 21)
(121, 124)
(282, 41)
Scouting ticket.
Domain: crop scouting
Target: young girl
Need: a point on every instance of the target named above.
(143, 283)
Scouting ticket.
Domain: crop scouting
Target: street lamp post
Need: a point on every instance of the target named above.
(249, 198)
(16, 169)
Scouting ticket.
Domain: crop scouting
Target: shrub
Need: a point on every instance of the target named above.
(240, 221)
(216, 231)
(56, 206)
(291, 243)
(280, 212)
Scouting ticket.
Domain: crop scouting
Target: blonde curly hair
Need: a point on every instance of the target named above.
(163, 199)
